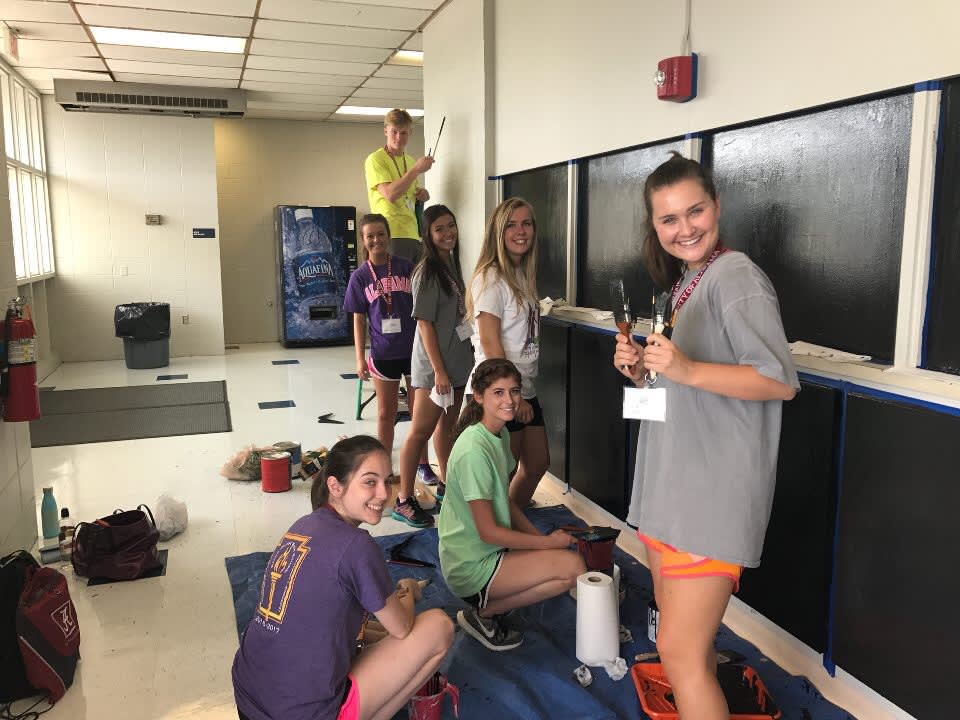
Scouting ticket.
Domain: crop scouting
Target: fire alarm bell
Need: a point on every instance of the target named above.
(677, 78)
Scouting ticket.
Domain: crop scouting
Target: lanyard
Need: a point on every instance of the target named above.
(404, 155)
(688, 291)
(387, 295)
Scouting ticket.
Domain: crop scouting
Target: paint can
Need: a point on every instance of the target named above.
(295, 455)
(275, 472)
(653, 621)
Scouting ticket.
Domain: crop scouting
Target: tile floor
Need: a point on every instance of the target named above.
(162, 648)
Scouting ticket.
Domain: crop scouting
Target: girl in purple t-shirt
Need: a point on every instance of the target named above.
(298, 658)
(380, 296)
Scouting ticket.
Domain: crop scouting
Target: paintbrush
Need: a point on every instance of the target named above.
(442, 122)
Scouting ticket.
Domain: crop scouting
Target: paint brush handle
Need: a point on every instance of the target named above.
(439, 134)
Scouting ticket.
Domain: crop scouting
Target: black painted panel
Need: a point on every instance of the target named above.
(818, 202)
(942, 349)
(610, 226)
(597, 432)
(896, 625)
(546, 190)
(552, 389)
(792, 585)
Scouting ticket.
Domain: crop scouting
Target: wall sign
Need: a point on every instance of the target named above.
(204, 232)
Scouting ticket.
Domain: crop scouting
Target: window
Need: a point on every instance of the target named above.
(26, 178)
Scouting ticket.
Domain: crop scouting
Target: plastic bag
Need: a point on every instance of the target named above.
(245, 465)
(170, 515)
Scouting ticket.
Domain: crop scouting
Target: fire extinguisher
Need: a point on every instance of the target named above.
(18, 362)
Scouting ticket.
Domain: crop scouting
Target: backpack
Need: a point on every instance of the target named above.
(13, 578)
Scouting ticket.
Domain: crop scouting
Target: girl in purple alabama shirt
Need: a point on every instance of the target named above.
(297, 659)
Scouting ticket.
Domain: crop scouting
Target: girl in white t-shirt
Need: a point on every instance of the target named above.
(503, 303)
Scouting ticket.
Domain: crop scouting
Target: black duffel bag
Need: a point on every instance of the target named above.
(122, 546)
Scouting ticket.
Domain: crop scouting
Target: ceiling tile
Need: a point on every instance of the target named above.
(363, 119)
(110, 16)
(414, 43)
(42, 78)
(410, 95)
(50, 31)
(303, 78)
(327, 67)
(309, 32)
(37, 11)
(242, 8)
(416, 4)
(39, 49)
(318, 51)
(400, 71)
(197, 71)
(284, 98)
(296, 107)
(174, 80)
(394, 83)
(297, 89)
(164, 55)
(94, 64)
(265, 114)
(342, 13)
(389, 102)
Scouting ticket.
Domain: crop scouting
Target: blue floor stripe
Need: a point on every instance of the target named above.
(276, 404)
(285, 362)
(172, 377)
(349, 376)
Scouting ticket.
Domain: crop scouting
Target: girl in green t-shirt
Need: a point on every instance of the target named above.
(491, 555)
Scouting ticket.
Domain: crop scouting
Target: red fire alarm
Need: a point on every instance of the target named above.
(677, 78)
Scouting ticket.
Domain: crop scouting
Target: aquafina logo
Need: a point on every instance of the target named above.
(313, 263)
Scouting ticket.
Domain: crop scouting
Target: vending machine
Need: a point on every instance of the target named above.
(317, 251)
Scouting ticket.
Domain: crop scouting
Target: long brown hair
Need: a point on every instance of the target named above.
(432, 267)
(342, 461)
(663, 267)
(487, 373)
(493, 256)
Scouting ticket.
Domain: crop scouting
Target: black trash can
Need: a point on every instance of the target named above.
(145, 329)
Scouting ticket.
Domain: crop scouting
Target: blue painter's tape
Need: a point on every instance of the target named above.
(273, 404)
(285, 362)
(494, 177)
(846, 387)
(172, 377)
(925, 86)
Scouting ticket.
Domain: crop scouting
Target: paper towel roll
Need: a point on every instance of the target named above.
(616, 581)
(598, 619)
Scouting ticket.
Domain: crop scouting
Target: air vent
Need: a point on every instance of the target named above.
(85, 96)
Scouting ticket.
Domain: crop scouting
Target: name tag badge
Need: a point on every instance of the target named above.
(390, 326)
(465, 331)
(645, 404)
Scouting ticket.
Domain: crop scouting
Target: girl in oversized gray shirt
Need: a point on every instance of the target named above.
(704, 479)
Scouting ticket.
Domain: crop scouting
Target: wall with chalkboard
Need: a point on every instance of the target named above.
(610, 225)
(942, 342)
(546, 189)
(818, 202)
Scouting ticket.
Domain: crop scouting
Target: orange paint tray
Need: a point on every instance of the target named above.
(746, 694)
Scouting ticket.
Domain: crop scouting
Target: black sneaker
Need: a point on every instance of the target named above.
(410, 512)
(489, 632)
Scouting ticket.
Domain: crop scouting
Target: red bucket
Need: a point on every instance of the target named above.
(427, 702)
(275, 472)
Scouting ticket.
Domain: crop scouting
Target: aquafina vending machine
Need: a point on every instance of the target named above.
(317, 252)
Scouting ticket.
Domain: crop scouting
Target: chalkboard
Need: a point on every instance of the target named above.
(896, 626)
(553, 388)
(817, 201)
(610, 225)
(546, 189)
(942, 346)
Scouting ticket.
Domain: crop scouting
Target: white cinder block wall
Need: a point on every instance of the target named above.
(18, 524)
(264, 163)
(105, 173)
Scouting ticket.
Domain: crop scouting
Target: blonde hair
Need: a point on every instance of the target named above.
(398, 118)
(521, 280)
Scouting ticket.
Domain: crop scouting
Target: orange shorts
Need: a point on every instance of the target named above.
(678, 564)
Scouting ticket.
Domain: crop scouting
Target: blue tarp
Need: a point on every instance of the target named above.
(535, 680)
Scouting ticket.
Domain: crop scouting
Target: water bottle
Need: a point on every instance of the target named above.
(313, 263)
(49, 517)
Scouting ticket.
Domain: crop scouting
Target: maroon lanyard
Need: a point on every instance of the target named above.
(404, 155)
(688, 291)
(387, 295)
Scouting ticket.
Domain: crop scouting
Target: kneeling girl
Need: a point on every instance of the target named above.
(479, 523)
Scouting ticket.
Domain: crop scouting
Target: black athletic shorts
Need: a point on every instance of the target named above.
(537, 420)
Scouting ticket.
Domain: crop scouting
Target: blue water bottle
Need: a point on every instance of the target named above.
(49, 516)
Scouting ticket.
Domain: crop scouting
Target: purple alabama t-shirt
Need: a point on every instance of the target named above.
(363, 297)
(296, 652)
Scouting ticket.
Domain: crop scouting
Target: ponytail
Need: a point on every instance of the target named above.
(342, 461)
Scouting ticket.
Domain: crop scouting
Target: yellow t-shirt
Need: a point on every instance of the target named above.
(380, 168)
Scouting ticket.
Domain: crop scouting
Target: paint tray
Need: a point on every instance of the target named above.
(747, 697)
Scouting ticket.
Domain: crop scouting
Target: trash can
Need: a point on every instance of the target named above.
(145, 329)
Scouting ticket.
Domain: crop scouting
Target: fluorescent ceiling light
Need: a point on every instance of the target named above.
(360, 110)
(407, 57)
(170, 40)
